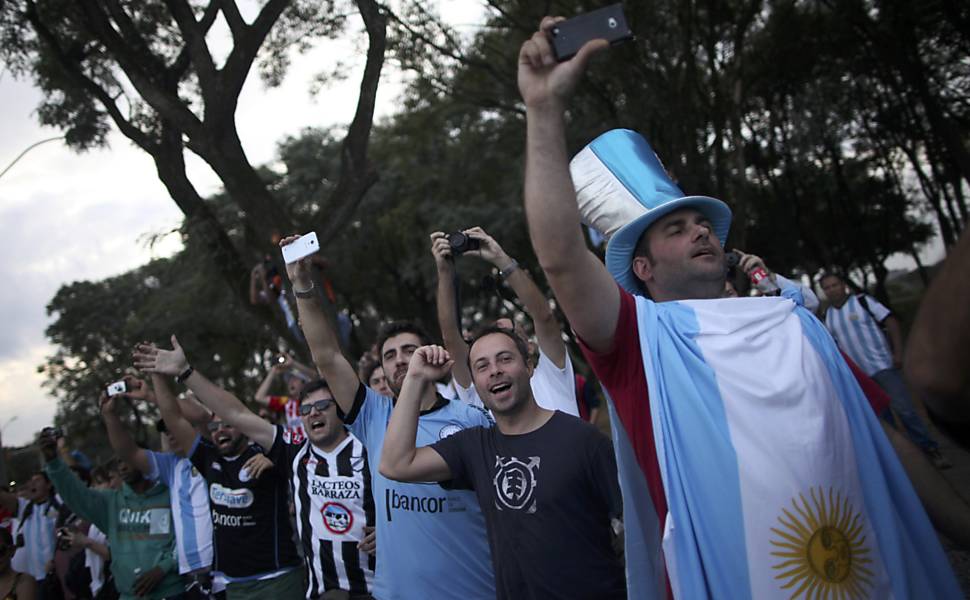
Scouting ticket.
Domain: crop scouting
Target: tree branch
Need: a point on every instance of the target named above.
(198, 49)
(181, 64)
(165, 102)
(356, 174)
(233, 18)
(246, 48)
(74, 71)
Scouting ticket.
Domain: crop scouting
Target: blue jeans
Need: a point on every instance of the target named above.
(891, 380)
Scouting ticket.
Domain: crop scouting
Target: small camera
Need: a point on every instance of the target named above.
(461, 243)
(54, 432)
(118, 387)
(732, 259)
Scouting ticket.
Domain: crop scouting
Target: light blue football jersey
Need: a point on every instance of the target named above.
(431, 542)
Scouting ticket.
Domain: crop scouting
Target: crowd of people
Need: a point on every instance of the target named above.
(757, 450)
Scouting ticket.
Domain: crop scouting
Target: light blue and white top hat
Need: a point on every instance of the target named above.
(622, 189)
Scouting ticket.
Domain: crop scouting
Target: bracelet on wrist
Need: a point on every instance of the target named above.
(508, 270)
(307, 293)
(181, 377)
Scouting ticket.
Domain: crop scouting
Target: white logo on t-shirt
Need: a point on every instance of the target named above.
(448, 430)
(515, 483)
(229, 497)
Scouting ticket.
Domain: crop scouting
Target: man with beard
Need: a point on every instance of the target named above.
(737, 420)
(329, 476)
(137, 520)
(546, 480)
(432, 542)
(250, 517)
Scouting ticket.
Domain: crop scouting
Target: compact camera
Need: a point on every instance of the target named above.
(460, 243)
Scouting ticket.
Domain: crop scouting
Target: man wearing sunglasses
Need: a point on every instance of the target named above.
(328, 471)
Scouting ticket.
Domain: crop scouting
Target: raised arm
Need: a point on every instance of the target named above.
(548, 330)
(180, 424)
(118, 436)
(89, 504)
(193, 411)
(262, 393)
(227, 406)
(320, 336)
(400, 459)
(582, 285)
(448, 320)
(291, 363)
(936, 355)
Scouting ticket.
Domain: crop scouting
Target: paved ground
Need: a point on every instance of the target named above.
(959, 477)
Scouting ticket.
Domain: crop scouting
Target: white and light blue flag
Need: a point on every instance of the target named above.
(779, 479)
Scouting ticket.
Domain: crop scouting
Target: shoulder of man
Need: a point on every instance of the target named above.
(472, 414)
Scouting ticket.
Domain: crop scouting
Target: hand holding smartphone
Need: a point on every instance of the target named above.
(607, 23)
(301, 248)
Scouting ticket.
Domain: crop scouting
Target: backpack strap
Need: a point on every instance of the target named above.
(865, 306)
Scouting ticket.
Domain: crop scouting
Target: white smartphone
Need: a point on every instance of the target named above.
(118, 387)
(301, 248)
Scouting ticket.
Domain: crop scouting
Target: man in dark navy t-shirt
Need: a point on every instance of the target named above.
(546, 481)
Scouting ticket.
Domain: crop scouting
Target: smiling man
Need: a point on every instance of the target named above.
(545, 480)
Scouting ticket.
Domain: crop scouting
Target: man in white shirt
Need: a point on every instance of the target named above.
(856, 323)
(553, 381)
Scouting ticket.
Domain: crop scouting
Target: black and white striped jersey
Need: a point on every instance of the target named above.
(333, 499)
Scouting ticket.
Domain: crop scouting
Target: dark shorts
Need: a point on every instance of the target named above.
(288, 586)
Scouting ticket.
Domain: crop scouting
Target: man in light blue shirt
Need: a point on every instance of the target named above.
(432, 542)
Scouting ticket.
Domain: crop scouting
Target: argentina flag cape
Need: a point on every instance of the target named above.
(779, 479)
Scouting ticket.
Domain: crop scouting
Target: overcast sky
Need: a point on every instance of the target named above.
(66, 217)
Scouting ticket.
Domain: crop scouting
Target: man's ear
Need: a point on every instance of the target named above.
(643, 269)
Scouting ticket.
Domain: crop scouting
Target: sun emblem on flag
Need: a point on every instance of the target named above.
(821, 547)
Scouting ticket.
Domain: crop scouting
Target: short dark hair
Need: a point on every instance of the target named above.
(42, 474)
(828, 274)
(313, 386)
(367, 370)
(520, 344)
(643, 246)
(389, 330)
(99, 474)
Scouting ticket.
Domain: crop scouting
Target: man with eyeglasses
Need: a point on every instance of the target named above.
(329, 473)
(250, 509)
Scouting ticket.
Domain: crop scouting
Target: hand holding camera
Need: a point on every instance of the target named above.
(48, 442)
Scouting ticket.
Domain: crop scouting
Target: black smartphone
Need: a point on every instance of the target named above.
(607, 23)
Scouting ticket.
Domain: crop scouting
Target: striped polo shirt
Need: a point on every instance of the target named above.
(859, 335)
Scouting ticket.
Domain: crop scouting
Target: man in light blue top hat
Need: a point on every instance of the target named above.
(745, 446)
